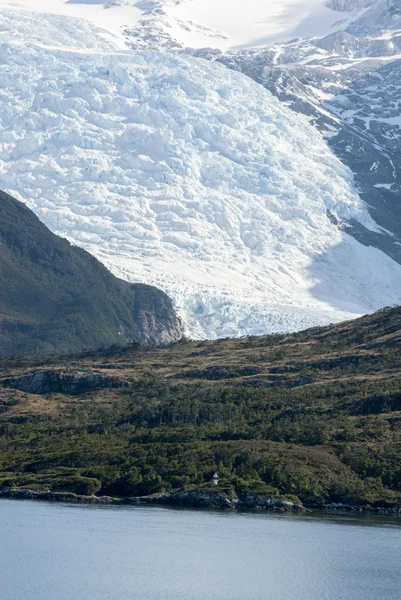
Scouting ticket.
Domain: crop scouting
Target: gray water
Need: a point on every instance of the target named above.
(70, 552)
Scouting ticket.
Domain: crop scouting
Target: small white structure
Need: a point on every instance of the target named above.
(215, 479)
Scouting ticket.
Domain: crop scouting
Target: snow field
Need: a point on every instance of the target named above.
(204, 23)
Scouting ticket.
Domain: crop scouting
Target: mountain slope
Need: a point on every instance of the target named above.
(55, 297)
(316, 414)
(347, 84)
(180, 173)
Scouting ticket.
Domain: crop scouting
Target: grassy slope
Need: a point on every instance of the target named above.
(315, 414)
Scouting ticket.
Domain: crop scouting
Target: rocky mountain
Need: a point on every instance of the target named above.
(55, 297)
(348, 5)
(347, 85)
(264, 197)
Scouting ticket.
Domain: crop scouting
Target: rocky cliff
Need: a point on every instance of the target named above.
(55, 297)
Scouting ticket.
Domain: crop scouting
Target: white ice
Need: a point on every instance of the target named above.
(178, 172)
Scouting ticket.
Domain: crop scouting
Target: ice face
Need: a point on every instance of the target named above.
(181, 173)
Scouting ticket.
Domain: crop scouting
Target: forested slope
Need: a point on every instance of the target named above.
(315, 414)
(55, 297)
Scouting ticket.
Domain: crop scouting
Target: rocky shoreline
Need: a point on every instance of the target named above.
(199, 499)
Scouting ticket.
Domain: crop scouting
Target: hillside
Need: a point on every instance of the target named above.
(55, 297)
(315, 414)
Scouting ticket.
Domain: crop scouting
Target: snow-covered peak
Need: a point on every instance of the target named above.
(205, 23)
(383, 15)
(246, 23)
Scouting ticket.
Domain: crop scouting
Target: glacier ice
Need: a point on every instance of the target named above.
(178, 172)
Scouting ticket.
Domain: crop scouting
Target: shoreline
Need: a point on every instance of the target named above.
(199, 499)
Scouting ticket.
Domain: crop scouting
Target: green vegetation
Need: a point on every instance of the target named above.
(316, 415)
(57, 297)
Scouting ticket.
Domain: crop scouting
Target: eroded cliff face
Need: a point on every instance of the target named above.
(55, 297)
(154, 315)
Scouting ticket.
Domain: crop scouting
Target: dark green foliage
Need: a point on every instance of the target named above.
(57, 297)
(314, 415)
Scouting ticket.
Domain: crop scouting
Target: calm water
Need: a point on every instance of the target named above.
(64, 552)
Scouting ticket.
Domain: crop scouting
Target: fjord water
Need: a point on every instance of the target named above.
(70, 552)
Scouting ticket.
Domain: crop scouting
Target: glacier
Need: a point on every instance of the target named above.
(178, 172)
(347, 83)
(204, 23)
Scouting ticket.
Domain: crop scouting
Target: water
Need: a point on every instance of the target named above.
(67, 552)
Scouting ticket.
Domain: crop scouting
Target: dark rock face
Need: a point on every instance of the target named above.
(55, 297)
(154, 314)
(48, 382)
(369, 141)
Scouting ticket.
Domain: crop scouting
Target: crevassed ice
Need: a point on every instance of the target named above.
(178, 172)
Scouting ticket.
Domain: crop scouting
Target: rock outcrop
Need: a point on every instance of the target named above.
(27, 494)
(218, 499)
(50, 382)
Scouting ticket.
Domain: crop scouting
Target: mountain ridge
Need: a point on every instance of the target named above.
(57, 297)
